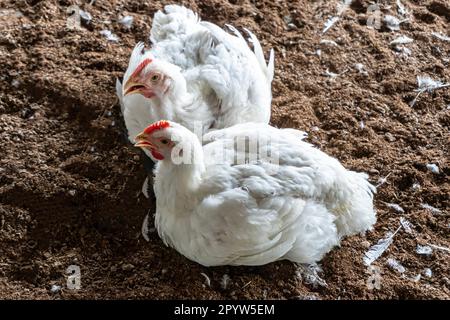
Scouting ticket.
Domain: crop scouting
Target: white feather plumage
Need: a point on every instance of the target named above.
(257, 212)
(218, 80)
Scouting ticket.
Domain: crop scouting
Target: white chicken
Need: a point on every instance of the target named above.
(226, 203)
(195, 74)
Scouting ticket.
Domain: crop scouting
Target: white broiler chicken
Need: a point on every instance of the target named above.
(196, 74)
(221, 204)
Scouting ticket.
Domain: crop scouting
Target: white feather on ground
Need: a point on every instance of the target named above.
(424, 250)
(401, 40)
(378, 249)
(207, 279)
(109, 35)
(392, 23)
(416, 278)
(330, 22)
(395, 206)
(407, 225)
(401, 9)
(439, 248)
(145, 188)
(383, 180)
(361, 69)
(86, 16)
(433, 168)
(225, 281)
(144, 229)
(441, 36)
(342, 6)
(427, 272)
(127, 21)
(427, 84)
(431, 208)
(394, 264)
(309, 273)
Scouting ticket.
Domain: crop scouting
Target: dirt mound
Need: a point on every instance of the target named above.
(70, 182)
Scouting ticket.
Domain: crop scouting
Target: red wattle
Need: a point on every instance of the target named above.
(157, 155)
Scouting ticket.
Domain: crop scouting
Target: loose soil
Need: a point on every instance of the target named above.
(70, 182)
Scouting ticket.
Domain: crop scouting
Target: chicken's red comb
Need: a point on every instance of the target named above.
(141, 66)
(159, 125)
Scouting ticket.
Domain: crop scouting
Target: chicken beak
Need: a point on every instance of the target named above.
(142, 142)
(132, 87)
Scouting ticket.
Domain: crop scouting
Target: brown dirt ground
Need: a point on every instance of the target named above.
(70, 183)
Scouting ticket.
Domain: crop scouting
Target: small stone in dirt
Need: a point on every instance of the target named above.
(72, 192)
(365, 244)
(291, 26)
(55, 288)
(15, 83)
(389, 137)
(287, 19)
(329, 42)
(127, 267)
(428, 272)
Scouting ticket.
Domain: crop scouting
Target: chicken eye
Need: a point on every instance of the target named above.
(164, 141)
(154, 78)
